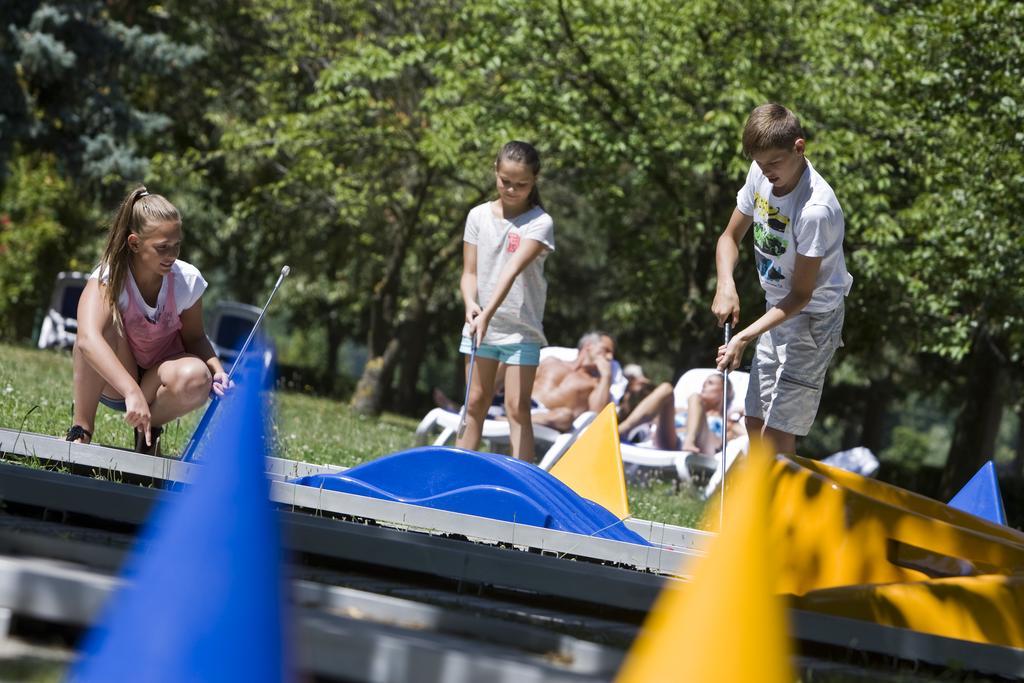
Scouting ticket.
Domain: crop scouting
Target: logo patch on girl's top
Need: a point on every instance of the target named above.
(513, 242)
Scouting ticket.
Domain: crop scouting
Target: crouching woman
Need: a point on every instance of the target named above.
(141, 346)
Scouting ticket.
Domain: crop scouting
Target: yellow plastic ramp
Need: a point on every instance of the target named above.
(913, 502)
(837, 529)
(982, 609)
(592, 467)
(726, 625)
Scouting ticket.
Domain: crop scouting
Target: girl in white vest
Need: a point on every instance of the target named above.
(141, 346)
(503, 288)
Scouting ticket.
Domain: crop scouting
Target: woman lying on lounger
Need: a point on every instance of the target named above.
(668, 428)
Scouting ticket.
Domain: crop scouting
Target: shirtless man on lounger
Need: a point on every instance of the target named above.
(567, 389)
(564, 390)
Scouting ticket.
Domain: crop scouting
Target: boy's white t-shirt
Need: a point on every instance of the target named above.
(808, 221)
(520, 316)
(189, 286)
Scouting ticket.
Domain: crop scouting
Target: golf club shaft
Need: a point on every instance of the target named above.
(727, 335)
(469, 383)
(252, 332)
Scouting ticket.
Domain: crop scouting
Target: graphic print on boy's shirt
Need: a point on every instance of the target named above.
(769, 238)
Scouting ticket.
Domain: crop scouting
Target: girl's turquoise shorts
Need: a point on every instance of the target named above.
(525, 353)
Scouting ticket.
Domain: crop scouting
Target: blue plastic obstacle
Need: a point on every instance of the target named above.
(205, 594)
(980, 496)
(481, 484)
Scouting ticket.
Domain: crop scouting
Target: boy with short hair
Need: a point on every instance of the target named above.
(798, 250)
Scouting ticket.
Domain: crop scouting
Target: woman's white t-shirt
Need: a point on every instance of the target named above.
(189, 286)
(520, 316)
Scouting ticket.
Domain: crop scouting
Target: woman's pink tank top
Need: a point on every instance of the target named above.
(153, 342)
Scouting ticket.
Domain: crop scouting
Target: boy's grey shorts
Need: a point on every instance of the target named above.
(788, 371)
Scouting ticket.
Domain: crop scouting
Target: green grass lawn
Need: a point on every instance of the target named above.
(35, 395)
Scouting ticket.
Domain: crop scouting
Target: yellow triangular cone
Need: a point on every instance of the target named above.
(726, 625)
(592, 467)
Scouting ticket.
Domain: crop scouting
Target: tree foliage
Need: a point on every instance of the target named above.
(80, 117)
(72, 76)
(350, 139)
(33, 237)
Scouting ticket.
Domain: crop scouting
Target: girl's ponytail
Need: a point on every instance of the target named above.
(136, 209)
(526, 154)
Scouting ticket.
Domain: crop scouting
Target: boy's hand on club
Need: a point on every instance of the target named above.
(730, 355)
(726, 306)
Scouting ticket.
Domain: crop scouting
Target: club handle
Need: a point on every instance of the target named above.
(727, 331)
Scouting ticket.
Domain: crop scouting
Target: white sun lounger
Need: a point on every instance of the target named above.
(60, 325)
(446, 423)
(701, 470)
(495, 431)
(691, 467)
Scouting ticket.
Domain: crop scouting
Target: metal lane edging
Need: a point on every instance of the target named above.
(649, 558)
(434, 555)
(666, 560)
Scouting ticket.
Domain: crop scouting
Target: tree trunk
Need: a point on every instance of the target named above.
(386, 294)
(977, 425)
(380, 327)
(334, 339)
(414, 334)
(877, 401)
(375, 384)
(382, 341)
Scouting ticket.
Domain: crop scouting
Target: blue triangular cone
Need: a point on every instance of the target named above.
(204, 597)
(980, 496)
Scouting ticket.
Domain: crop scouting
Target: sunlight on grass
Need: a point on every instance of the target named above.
(659, 502)
(323, 431)
(35, 395)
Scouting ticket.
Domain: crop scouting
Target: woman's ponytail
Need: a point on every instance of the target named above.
(135, 211)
